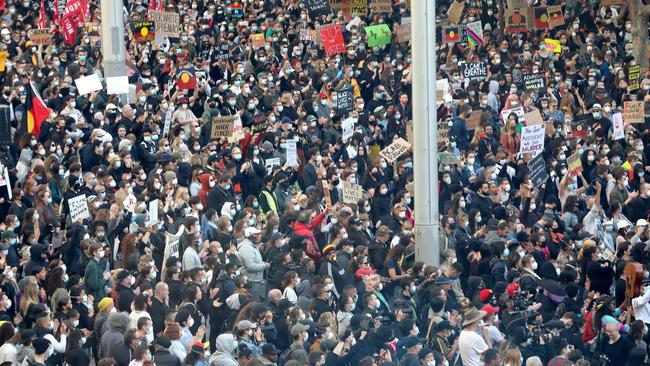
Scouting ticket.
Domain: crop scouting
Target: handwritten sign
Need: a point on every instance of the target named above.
(270, 163)
(378, 35)
(380, 6)
(537, 168)
(516, 20)
(553, 45)
(393, 151)
(533, 118)
(448, 158)
(555, 16)
(443, 133)
(534, 82)
(222, 126)
(257, 40)
(403, 33)
(332, 36)
(345, 101)
(318, 7)
(633, 112)
(153, 212)
(78, 208)
(292, 153)
(352, 193)
(532, 139)
(326, 193)
(475, 33)
(618, 126)
(222, 52)
(358, 8)
(348, 129)
(455, 12)
(574, 164)
(633, 77)
(474, 70)
(167, 23)
(144, 31)
(308, 35)
(237, 130)
(40, 37)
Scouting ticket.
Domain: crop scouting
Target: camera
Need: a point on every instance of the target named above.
(522, 301)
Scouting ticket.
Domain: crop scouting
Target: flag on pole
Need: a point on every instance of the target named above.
(35, 111)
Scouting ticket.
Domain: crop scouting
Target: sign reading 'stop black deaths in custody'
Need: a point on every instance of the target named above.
(474, 70)
(534, 82)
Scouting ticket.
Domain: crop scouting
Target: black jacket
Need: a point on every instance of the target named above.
(164, 358)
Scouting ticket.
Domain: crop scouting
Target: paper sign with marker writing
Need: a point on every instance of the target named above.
(633, 111)
(618, 126)
(378, 35)
(78, 208)
(348, 129)
(532, 139)
(257, 40)
(393, 151)
(222, 126)
(117, 84)
(332, 36)
(533, 118)
(153, 212)
(292, 153)
(88, 84)
(574, 164)
(352, 193)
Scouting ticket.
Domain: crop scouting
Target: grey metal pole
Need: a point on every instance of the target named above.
(113, 47)
(425, 134)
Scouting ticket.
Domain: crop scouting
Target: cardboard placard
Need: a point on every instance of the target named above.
(633, 112)
(381, 6)
(358, 8)
(474, 120)
(318, 7)
(618, 126)
(378, 35)
(537, 168)
(553, 45)
(326, 193)
(352, 193)
(292, 153)
(78, 208)
(347, 125)
(533, 117)
(409, 132)
(345, 101)
(257, 40)
(236, 10)
(237, 130)
(516, 20)
(574, 164)
(579, 127)
(532, 139)
(88, 84)
(555, 16)
(393, 151)
(455, 12)
(474, 70)
(332, 36)
(307, 35)
(540, 17)
(40, 37)
(633, 77)
(475, 33)
(443, 133)
(222, 126)
(447, 158)
(144, 32)
(403, 33)
(222, 51)
(534, 82)
(167, 23)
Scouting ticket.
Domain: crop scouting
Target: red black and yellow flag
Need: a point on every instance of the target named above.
(144, 31)
(186, 78)
(35, 111)
(451, 34)
(541, 18)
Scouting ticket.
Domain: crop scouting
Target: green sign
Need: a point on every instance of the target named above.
(378, 35)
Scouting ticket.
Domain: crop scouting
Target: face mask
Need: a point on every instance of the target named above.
(402, 214)
(533, 266)
(479, 219)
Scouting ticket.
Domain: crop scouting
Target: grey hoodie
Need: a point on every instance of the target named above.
(225, 347)
(252, 259)
(493, 100)
(117, 325)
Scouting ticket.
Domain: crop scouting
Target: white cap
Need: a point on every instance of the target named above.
(622, 224)
(110, 106)
(251, 231)
(641, 222)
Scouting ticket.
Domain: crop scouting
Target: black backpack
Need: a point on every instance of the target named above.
(285, 356)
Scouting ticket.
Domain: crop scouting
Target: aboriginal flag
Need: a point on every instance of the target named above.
(541, 18)
(144, 32)
(35, 111)
(186, 79)
(451, 34)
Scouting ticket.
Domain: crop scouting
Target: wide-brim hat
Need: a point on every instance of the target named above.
(473, 316)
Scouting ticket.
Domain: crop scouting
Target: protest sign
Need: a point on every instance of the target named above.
(579, 127)
(403, 33)
(455, 12)
(516, 21)
(443, 133)
(292, 153)
(381, 6)
(78, 208)
(144, 32)
(540, 17)
(348, 129)
(168, 122)
(318, 7)
(117, 84)
(393, 151)
(326, 193)
(534, 82)
(574, 164)
(332, 37)
(257, 40)
(474, 120)
(358, 8)
(633, 112)
(237, 130)
(378, 35)
(409, 132)
(448, 158)
(40, 37)
(553, 45)
(3, 59)
(167, 23)
(222, 52)
(345, 101)
(519, 111)
(270, 163)
(442, 91)
(532, 139)
(555, 16)
(451, 34)
(633, 77)
(618, 126)
(340, 5)
(153, 212)
(352, 193)
(88, 84)
(222, 126)
(474, 70)
(4, 179)
(171, 243)
(537, 168)
(533, 118)
(307, 35)
(475, 33)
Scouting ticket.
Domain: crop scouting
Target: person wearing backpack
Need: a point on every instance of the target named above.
(296, 351)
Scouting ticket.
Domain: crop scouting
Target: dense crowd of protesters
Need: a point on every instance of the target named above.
(257, 260)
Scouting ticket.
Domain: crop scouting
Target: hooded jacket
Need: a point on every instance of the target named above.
(225, 346)
(252, 258)
(205, 189)
(117, 325)
(302, 229)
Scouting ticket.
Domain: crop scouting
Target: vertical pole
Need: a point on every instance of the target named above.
(113, 48)
(425, 134)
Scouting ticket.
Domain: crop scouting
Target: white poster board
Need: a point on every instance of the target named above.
(292, 153)
(153, 212)
(88, 84)
(117, 84)
(532, 139)
(348, 128)
(78, 208)
(619, 126)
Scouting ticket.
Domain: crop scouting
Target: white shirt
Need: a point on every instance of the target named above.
(641, 307)
(471, 346)
(8, 353)
(290, 294)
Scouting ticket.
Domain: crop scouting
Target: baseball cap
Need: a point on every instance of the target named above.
(251, 231)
